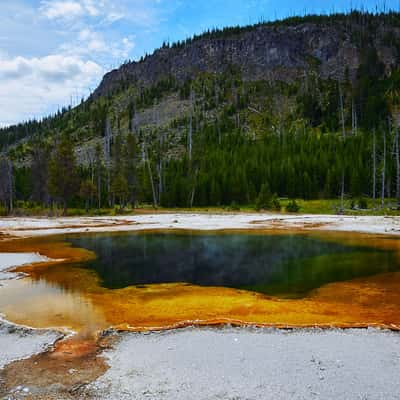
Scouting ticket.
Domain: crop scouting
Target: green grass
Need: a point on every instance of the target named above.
(320, 206)
(332, 206)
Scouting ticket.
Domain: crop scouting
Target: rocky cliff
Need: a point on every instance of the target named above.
(280, 51)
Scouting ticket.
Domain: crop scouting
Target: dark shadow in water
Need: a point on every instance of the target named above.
(287, 265)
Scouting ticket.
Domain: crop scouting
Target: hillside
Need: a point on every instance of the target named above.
(305, 107)
(334, 47)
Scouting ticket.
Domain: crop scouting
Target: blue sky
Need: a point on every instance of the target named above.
(53, 52)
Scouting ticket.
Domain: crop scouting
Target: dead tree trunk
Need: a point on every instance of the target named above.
(161, 168)
(153, 189)
(160, 161)
(383, 170)
(107, 157)
(344, 145)
(190, 138)
(192, 196)
(353, 118)
(99, 189)
(11, 186)
(397, 167)
(193, 191)
(216, 113)
(6, 183)
(374, 166)
(91, 162)
(98, 166)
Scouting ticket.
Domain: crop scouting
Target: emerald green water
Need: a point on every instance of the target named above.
(289, 265)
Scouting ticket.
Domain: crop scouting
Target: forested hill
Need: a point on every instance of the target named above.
(301, 108)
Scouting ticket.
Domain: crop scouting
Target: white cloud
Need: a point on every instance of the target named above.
(14, 69)
(62, 9)
(72, 9)
(91, 8)
(51, 50)
(53, 67)
(90, 43)
(29, 86)
(144, 13)
(68, 9)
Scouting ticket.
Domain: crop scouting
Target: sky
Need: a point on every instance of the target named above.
(54, 52)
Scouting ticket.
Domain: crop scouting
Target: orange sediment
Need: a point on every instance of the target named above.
(79, 302)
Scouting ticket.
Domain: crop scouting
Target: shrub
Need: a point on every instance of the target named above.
(276, 205)
(264, 198)
(234, 206)
(362, 204)
(293, 207)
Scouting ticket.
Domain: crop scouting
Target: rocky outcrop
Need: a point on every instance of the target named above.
(273, 52)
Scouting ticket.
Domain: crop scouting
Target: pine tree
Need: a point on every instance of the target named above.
(39, 170)
(119, 189)
(87, 191)
(264, 199)
(63, 178)
(130, 159)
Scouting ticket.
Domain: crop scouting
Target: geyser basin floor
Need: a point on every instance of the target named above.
(215, 364)
(68, 294)
(252, 364)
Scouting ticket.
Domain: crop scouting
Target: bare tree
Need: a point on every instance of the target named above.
(344, 143)
(374, 165)
(383, 169)
(397, 155)
(190, 138)
(148, 163)
(353, 118)
(160, 153)
(107, 156)
(193, 191)
(216, 87)
(160, 166)
(6, 183)
(99, 169)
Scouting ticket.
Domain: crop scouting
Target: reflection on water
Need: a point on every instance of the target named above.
(92, 295)
(288, 265)
(39, 303)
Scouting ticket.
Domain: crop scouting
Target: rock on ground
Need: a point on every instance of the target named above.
(253, 364)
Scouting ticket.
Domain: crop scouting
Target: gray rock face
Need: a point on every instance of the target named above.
(273, 52)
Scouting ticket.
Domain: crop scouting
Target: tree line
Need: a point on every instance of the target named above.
(54, 178)
(220, 168)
